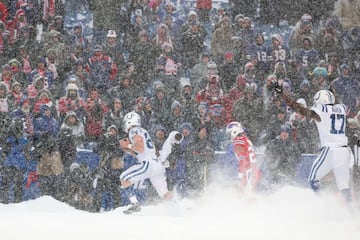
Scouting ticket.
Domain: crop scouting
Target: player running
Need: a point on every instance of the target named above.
(248, 173)
(149, 164)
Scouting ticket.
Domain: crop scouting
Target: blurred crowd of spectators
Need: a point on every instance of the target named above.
(191, 70)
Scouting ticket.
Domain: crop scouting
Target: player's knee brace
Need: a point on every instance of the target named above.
(315, 185)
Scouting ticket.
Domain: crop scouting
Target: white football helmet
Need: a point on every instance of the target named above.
(131, 119)
(324, 97)
(233, 129)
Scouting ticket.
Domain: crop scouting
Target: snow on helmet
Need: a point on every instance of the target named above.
(324, 97)
(131, 119)
(233, 129)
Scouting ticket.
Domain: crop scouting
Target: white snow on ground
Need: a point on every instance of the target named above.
(291, 213)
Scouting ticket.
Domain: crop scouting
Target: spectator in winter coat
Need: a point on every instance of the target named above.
(303, 131)
(4, 13)
(115, 115)
(229, 70)
(94, 115)
(161, 105)
(303, 29)
(200, 70)
(44, 97)
(200, 166)
(307, 55)
(102, 69)
(41, 70)
(192, 44)
(221, 39)
(72, 122)
(77, 37)
(16, 71)
(176, 116)
(113, 48)
(213, 93)
(6, 76)
(148, 117)
(348, 13)
(160, 133)
(177, 172)
(169, 67)
(109, 169)
(187, 100)
(142, 54)
(15, 25)
(4, 105)
(218, 136)
(278, 51)
(16, 152)
(26, 60)
(28, 42)
(106, 16)
(126, 91)
(282, 155)
(249, 111)
(346, 88)
(46, 124)
(71, 101)
(162, 36)
(304, 92)
(23, 111)
(50, 167)
(234, 94)
(4, 49)
(204, 7)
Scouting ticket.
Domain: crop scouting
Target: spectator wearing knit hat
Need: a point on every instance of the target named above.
(346, 89)
(71, 101)
(193, 16)
(176, 115)
(304, 91)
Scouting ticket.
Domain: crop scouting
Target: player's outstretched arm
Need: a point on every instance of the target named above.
(293, 104)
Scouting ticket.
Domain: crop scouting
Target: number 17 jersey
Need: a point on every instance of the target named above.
(332, 125)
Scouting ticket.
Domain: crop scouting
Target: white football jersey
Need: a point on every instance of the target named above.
(332, 125)
(149, 152)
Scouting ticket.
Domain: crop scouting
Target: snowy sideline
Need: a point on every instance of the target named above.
(291, 213)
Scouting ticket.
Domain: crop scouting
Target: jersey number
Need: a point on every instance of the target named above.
(334, 118)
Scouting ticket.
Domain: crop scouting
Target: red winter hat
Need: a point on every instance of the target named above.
(228, 55)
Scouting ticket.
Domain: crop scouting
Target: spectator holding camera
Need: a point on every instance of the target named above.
(108, 171)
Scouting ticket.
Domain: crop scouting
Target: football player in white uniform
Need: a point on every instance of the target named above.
(335, 153)
(149, 165)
